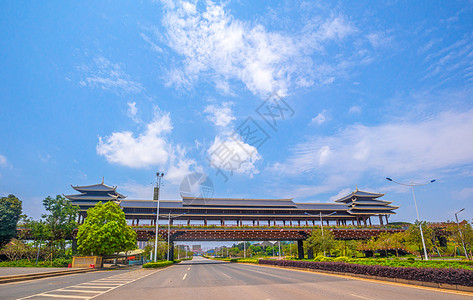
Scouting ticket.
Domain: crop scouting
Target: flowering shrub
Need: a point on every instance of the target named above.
(450, 276)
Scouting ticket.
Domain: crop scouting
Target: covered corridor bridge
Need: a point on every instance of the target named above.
(254, 234)
(357, 208)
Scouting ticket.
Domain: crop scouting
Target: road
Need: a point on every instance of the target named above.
(207, 279)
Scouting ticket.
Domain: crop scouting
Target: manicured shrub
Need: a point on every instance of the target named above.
(342, 258)
(158, 264)
(326, 259)
(446, 275)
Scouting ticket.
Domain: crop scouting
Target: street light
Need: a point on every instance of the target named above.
(321, 222)
(169, 228)
(159, 177)
(461, 235)
(412, 185)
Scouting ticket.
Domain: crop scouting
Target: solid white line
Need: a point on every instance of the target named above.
(226, 275)
(79, 291)
(63, 296)
(362, 297)
(184, 276)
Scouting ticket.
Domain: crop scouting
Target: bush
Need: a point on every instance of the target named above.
(450, 276)
(57, 263)
(319, 258)
(342, 258)
(158, 264)
(326, 259)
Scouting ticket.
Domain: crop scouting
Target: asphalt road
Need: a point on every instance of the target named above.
(207, 279)
(16, 290)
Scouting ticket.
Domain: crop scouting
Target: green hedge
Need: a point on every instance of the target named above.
(158, 264)
(24, 263)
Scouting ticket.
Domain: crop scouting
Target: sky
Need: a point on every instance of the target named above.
(292, 99)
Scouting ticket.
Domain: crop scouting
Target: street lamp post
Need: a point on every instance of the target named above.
(461, 235)
(169, 230)
(321, 223)
(412, 185)
(159, 177)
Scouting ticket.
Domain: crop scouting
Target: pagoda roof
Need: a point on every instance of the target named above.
(369, 212)
(364, 201)
(84, 196)
(321, 206)
(100, 187)
(374, 207)
(358, 194)
(190, 201)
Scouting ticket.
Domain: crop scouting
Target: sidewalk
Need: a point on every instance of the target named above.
(7, 271)
(22, 274)
(12, 274)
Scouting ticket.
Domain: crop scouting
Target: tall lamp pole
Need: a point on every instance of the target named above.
(159, 177)
(412, 185)
(461, 235)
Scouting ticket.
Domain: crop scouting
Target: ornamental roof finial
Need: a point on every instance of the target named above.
(102, 179)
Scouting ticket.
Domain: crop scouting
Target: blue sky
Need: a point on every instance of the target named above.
(366, 90)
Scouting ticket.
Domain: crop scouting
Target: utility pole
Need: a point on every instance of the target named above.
(159, 177)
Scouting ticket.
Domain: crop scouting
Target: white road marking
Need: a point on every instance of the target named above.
(188, 268)
(226, 275)
(184, 276)
(63, 296)
(362, 297)
(100, 286)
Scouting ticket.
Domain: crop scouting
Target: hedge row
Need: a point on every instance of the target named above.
(450, 276)
(158, 264)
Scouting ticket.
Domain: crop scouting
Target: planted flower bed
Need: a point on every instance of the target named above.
(449, 276)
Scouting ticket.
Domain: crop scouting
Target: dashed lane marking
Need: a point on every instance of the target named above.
(184, 276)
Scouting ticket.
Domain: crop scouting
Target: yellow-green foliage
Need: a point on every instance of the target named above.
(158, 264)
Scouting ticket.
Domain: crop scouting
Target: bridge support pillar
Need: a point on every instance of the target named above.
(74, 246)
(310, 253)
(300, 249)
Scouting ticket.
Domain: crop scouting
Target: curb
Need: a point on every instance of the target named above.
(24, 277)
(445, 286)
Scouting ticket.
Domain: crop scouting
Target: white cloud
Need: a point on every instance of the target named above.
(180, 166)
(221, 116)
(213, 42)
(151, 44)
(322, 117)
(228, 151)
(147, 149)
(233, 155)
(440, 142)
(341, 194)
(108, 76)
(336, 28)
(132, 112)
(136, 191)
(355, 109)
(465, 193)
(3, 160)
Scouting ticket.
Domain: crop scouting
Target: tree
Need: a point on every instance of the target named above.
(10, 211)
(105, 231)
(315, 242)
(61, 219)
(413, 235)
